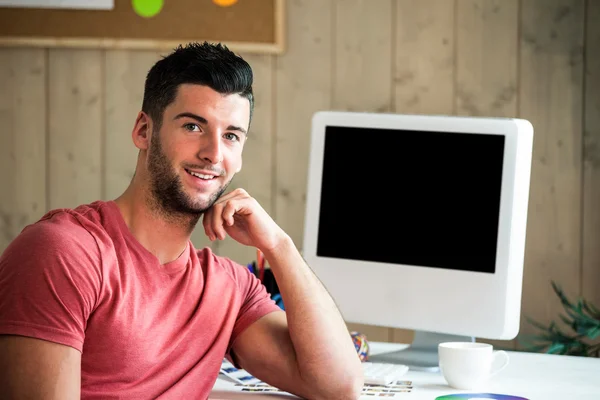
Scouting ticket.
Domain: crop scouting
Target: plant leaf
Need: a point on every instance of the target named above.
(580, 316)
(594, 332)
(593, 311)
(568, 321)
(555, 348)
(561, 295)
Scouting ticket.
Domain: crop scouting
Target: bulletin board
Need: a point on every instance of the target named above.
(246, 26)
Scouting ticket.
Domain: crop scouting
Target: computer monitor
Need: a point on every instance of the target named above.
(418, 222)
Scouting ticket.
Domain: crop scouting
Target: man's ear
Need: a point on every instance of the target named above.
(141, 131)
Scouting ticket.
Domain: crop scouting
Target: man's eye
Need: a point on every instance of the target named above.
(192, 127)
(232, 137)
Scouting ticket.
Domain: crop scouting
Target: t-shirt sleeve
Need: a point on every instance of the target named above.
(256, 302)
(49, 282)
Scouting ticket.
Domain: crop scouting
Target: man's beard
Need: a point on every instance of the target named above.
(167, 190)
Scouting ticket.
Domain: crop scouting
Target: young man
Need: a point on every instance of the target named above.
(111, 300)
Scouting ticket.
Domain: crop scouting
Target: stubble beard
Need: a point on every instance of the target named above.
(168, 196)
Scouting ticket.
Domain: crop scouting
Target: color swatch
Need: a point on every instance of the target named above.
(479, 396)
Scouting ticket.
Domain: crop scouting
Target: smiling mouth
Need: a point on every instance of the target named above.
(201, 176)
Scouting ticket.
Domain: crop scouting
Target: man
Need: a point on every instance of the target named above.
(111, 300)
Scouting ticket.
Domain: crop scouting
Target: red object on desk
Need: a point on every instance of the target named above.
(260, 264)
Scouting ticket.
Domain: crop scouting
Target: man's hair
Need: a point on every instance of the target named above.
(212, 65)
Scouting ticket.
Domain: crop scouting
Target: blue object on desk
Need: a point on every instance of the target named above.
(278, 300)
(250, 268)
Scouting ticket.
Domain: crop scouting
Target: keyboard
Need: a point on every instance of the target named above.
(377, 373)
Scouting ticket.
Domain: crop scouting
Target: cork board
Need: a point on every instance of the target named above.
(248, 25)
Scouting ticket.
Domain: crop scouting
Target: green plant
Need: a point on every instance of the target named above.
(583, 319)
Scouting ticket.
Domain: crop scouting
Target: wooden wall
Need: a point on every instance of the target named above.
(66, 116)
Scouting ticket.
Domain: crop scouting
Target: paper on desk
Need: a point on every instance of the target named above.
(236, 374)
(387, 392)
(246, 383)
(393, 390)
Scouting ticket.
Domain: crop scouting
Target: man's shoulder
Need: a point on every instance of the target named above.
(62, 236)
(82, 224)
(91, 211)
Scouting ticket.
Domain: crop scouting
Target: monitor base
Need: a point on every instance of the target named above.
(422, 355)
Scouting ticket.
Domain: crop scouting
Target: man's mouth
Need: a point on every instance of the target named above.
(206, 177)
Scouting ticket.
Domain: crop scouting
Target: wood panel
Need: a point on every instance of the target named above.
(125, 75)
(486, 57)
(303, 86)
(487, 65)
(424, 61)
(75, 127)
(256, 176)
(423, 67)
(362, 73)
(22, 140)
(360, 84)
(550, 96)
(591, 152)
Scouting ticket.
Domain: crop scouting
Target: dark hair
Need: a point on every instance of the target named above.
(212, 65)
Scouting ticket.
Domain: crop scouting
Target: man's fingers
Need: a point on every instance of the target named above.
(222, 213)
(237, 193)
(228, 212)
(207, 223)
(217, 221)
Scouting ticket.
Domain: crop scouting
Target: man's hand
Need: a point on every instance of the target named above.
(239, 215)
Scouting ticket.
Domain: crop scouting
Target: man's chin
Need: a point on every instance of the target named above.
(199, 203)
(199, 207)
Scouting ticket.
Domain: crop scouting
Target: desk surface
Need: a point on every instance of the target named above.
(528, 375)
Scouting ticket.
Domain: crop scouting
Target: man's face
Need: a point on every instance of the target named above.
(198, 149)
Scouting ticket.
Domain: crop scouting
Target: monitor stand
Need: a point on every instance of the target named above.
(422, 355)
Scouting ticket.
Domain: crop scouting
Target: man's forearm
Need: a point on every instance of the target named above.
(317, 330)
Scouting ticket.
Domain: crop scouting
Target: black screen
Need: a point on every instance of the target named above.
(418, 198)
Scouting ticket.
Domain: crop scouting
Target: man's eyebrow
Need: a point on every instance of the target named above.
(237, 128)
(203, 120)
(198, 118)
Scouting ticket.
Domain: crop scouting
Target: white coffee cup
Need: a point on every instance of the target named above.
(468, 365)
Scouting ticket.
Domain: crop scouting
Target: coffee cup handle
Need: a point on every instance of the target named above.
(500, 361)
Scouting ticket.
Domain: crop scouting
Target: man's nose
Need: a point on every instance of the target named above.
(212, 150)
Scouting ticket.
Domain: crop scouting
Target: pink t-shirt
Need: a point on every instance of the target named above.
(80, 278)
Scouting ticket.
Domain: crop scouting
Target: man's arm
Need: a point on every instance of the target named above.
(309, 353)
(307, 350)
(50, 278)
(38, 369)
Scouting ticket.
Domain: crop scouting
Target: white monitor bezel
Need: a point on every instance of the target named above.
(466, 303)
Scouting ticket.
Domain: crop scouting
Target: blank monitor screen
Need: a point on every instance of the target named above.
(428, 199)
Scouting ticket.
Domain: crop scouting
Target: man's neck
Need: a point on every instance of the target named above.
(162, 234)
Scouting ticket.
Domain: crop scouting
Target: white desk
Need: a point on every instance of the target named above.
(532, 376)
